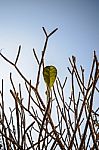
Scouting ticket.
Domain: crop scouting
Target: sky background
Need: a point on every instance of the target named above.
(21, 23)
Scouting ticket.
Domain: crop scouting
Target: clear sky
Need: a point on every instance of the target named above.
(21, 23)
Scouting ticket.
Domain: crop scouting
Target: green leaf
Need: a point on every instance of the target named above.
(49, 74)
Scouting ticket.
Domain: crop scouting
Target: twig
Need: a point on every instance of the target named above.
(36, 56)
(18, 55)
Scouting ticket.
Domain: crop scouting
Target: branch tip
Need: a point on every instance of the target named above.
(53, 32)
(44, 31)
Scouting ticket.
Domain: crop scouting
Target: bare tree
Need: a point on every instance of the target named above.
(76, 123)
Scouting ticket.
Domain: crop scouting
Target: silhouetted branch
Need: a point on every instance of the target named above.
(51, 120)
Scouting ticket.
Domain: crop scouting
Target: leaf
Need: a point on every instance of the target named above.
(49, 74)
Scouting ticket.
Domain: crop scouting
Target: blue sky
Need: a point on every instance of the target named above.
(21, 23)
(77, 20)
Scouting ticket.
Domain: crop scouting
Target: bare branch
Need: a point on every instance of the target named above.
(35, 56)
(18, 54)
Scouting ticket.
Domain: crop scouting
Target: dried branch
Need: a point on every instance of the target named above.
(62, 127)
(18, 55)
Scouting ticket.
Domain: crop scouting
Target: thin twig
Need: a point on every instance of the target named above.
(18, 55)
